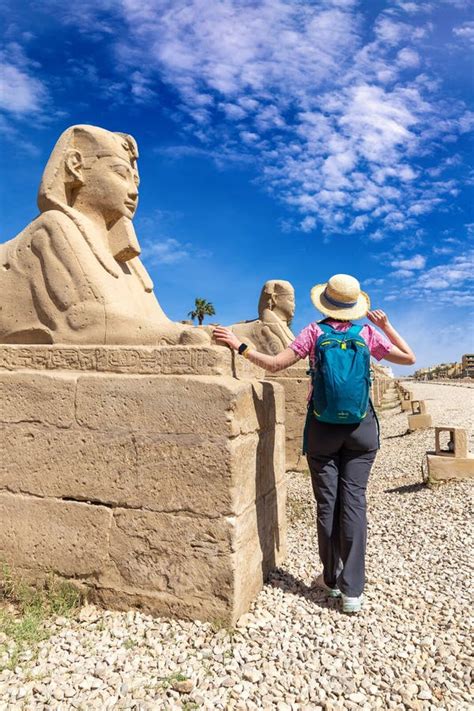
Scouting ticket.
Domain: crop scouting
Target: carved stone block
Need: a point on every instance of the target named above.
(159, 491)
(418, 407)
(457, 445)
(444, 469)
(296, 386)
(419, 422)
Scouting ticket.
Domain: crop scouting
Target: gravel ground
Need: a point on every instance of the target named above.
(409, 649)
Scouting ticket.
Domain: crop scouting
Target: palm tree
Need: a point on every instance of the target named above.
(201, 308)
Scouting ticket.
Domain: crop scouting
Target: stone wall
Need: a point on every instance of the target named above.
(153, 477)
(296, 384)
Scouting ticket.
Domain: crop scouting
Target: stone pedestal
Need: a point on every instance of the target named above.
(153, 477)
(406, 405)
(419, 422)
(442, 469)
(296, 384)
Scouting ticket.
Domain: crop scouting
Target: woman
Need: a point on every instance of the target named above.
(340, 456)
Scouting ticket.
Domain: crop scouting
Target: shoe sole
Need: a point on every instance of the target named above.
(351, 609)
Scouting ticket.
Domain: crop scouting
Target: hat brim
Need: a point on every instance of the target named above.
(350, 313)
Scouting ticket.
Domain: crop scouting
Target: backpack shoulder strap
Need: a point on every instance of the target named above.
(325, 327)
(353, 331)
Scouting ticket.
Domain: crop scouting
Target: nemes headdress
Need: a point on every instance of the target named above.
(58, 187)
(92, 142)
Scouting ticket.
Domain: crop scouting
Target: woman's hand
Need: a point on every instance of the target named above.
(379, 318)
(225, 336)
(400, 352)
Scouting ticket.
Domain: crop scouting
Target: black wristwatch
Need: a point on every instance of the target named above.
(242, 348)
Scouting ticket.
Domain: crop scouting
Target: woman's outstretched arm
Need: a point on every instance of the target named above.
(400, 352)
(269, 362)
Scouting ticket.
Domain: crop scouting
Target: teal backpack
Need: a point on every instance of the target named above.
(341, 379)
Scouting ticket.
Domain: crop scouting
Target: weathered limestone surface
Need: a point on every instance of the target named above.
(419, 422)
(74, 274)
(155, 476)
(457, 445)
(270, 333)
(443, 469)
(296, 384)
(383, 392)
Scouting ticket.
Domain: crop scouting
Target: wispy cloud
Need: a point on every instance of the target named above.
(161, 250)
(465, 31)
(165, 251)
(21, 92)
(448, 283)
(415, 262)
(339, 126)
(338, 114)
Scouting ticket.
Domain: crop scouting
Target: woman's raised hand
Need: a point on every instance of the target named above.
(379, 318)
(226, 337)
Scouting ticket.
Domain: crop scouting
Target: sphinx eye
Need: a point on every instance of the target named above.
(121, 171)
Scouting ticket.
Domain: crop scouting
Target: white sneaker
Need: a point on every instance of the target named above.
(352, 604)
(318, 582)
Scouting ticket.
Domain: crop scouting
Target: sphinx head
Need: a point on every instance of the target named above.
(93, 171)
(277, 296)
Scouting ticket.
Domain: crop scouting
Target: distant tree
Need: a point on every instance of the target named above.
(201, 308)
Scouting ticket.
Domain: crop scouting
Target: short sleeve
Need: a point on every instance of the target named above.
(379, 345)
(305, 340)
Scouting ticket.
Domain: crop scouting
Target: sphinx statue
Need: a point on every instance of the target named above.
(271, 332)
(73, 275)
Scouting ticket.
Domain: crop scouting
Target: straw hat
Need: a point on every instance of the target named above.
(341, 298)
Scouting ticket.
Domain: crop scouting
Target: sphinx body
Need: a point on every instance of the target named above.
(73, 275)
(270, 333)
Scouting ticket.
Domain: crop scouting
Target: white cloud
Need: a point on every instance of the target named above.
(165, 251)
(465, 31)
(308, 224)
(447, 284)
(21, 92)
(334, 114)
(408, 58)
(443, 250)
(415, 262)
(403, 273)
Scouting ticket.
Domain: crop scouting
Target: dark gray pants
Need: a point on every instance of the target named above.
(340, 458)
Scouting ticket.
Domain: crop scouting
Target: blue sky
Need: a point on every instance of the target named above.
(278, 139)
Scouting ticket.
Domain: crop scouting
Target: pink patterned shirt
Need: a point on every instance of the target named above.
(304, 343)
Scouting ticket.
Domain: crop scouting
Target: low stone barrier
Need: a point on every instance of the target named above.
(152, 477)
(419, 419)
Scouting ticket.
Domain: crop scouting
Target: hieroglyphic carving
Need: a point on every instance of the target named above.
(147, 360)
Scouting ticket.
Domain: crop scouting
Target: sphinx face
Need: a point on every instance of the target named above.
(110, 189)
(285, 305)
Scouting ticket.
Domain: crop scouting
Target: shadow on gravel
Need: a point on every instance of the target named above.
(407, 488)
(279, 578)
(404, 434)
